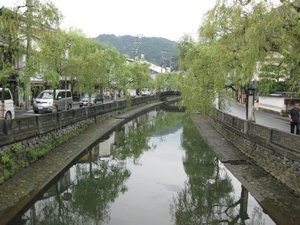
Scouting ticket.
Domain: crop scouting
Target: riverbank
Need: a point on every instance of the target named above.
(264, 188)
(20, 190)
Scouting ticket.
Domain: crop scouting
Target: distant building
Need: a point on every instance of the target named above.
(153, 68)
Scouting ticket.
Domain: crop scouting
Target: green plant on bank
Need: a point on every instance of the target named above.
(17, 157)
(8, 166)
(15, 148)
(38, 152)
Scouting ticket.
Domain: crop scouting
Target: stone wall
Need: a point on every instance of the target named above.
(25, 140)
(275, 151)
(272, 103)
(19, 129)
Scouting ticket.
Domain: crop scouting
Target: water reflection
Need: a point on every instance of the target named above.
(89, 187)
(133, 138)
(210, 196)
(153, 170)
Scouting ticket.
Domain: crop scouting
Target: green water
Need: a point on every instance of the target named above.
(154, 170)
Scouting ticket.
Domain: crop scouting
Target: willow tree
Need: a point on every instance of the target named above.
(235, 40)
(139, 75)
(84, 60)
(112, 69)
(21, 27)
(285, 40)
(119, 75)
(101, 67)
(35, 18)
(170, 81)
(54, 56)
(10, 46)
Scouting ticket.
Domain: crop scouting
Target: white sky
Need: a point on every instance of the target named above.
(156, 18)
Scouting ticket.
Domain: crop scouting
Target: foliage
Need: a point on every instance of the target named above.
(139, 76)
(53, 59)
(10, 48)
(169, 81)
(236, 40)
(56, 55)
(91, 64)
(20, 28)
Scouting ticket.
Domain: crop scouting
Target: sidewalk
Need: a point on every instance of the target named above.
(265, 118)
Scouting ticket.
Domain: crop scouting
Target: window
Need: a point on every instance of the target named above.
(7, 95)
(61, 94)
(69, 94)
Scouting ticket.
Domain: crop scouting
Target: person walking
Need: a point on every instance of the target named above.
(294, 116)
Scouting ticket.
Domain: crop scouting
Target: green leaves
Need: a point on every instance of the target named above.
(139, 75)
(236, 41)
(10, 43)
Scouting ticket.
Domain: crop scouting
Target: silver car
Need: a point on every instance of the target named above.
(86, 100)
(46, 102)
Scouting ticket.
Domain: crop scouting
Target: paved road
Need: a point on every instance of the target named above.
(24, 113)
(267, 119)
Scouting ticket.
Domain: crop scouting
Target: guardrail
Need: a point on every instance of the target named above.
(23, 128)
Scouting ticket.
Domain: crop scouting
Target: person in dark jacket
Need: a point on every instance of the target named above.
(294, 116)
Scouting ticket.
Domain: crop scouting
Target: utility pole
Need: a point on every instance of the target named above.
(28, 70)
(163, 58)
(136, 46)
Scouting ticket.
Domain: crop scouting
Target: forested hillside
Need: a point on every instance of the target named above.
(159, 51)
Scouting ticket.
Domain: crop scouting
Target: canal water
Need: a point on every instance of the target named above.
(154, 170)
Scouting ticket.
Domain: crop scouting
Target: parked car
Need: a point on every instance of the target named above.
(7, 110)
(99, 99)
(46, 102)
(145, 92)
(132, 92)
(86, 100)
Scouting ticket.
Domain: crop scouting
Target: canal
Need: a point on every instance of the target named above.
(155, 169)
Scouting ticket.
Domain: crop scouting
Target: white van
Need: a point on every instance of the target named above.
(7, 110)
(45, 102)
(132, 92)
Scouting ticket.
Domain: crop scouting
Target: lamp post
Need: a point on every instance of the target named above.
(250, 101)
(66, 58)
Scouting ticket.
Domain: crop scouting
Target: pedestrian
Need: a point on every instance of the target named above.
(294, 116)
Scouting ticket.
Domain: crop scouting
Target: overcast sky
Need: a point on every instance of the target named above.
(156, 18)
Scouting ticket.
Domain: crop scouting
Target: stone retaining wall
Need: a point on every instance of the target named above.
(16, 130)
(25, 140)
(275, 151)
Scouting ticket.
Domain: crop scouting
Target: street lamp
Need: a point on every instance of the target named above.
(250, 101)
(67, 57)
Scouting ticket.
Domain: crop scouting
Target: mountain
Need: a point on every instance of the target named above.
(159, 51)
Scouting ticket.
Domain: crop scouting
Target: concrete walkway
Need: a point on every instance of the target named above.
(23, 187)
